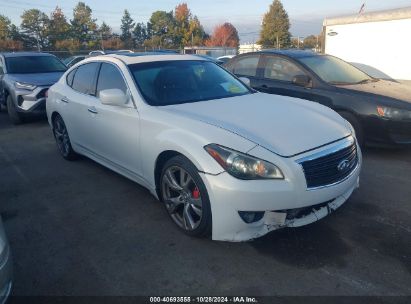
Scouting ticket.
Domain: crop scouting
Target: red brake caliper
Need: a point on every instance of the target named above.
(196, 193)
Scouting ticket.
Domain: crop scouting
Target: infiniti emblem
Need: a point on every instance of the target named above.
(345, 164)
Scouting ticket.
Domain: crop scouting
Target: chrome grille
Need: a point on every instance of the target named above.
(330, 168)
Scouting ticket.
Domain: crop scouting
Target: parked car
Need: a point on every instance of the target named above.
(24, 81)
(225, 58)
(70, 61)
(379, 110)
(212, 59)
(222, 157)
(107, 52)
(5, 266)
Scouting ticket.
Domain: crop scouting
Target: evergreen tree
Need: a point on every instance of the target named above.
(59, 27)
(35, 29)
(127, 26)
(83, 26)
(275, 27)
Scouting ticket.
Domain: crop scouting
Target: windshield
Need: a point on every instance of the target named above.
(335, 71)
(165, 83)
(34, 64)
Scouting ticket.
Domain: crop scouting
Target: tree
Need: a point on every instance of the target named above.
(35, 28)
(59, 27)
(70, 45)
(114, 43)
(310, 42)
(5, 24)
(127, 26)
(83, 26)
(161, 30)
(187, 30)
(9, 41)
(105, 31)
(275, 30)
(140, 34)
(225, 35)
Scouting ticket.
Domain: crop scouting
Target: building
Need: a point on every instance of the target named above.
(249, 47)
(378, 42)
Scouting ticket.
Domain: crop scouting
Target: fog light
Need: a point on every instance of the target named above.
(20, 100)
(251, 216)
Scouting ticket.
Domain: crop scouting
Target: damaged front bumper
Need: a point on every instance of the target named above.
(278, 203)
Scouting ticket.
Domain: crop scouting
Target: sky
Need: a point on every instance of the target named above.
(306, 17)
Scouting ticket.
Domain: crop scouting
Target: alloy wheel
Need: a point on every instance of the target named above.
(62, 137)
(182, 198)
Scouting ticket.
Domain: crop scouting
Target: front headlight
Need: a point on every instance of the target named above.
(24, 86)
(243, 166)
(393, 113)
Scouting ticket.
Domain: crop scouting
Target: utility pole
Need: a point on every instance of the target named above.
(101, 39)
(298, 42)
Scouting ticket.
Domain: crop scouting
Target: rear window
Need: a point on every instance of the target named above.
(70, 77)
(34, 64)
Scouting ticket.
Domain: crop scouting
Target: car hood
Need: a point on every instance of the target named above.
(38, 79)
(284, 125)
(385, 88)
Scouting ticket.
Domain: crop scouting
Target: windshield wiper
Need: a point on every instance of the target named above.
(340, 83)
(368, 80)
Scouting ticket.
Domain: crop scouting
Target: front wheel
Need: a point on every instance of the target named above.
(63, 139)
(185, 197)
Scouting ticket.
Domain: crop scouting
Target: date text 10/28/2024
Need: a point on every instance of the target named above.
(203, 300)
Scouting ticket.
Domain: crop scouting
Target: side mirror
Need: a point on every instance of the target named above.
(114, 97)
(301, 80)
(246, 81)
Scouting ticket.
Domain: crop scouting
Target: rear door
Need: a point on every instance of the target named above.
(77, 101)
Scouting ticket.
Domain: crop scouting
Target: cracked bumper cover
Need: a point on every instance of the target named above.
(229, 195)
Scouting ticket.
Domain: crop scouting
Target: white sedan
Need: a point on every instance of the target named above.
(225, 160)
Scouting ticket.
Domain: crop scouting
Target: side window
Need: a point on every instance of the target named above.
(84, 78)
(246, 66)
(70, 77)
(277, 68)
(110, 78)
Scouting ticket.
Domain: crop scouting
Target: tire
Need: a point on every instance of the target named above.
(356, 125)
(62, 139)
(185, 199)
(15, 117)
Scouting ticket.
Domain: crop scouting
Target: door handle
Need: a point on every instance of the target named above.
(92, 110)
(65, 100)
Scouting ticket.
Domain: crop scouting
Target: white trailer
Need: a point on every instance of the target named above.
(379, 43)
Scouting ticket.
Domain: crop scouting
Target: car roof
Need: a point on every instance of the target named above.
(132, 58)
(290, 53)
(25, 54)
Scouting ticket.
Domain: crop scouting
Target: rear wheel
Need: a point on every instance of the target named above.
(185, 196)
(63, 139)
(14, 115)
(356, 125)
